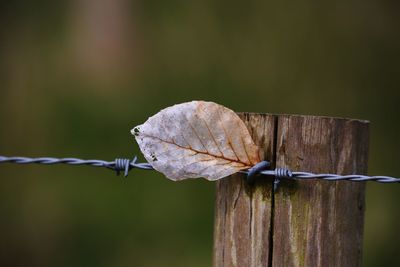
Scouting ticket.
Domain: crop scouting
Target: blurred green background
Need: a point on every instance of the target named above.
(76, 76)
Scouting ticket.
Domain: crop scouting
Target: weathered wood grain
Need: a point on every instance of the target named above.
(305, 223)
(320, 223)
(243, 213)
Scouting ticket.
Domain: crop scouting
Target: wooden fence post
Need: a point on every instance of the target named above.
(305, 223)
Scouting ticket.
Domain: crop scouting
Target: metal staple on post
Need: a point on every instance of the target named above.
(125, 165)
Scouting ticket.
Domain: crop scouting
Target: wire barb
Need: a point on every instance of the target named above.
(125, 165)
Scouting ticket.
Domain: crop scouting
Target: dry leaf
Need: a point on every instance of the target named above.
(196, 139)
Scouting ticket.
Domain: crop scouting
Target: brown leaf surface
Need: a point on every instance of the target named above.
(196, 139)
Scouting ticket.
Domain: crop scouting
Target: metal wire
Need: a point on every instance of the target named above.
(125, 165)
(333, 177)
(118, 165)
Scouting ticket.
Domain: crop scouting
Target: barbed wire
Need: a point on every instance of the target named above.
(118, 165)
(125, 165)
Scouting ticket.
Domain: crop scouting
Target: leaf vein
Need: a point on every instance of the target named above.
(194, 150)
(229, 139)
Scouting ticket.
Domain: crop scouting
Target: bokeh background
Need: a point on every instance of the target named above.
(76, 76)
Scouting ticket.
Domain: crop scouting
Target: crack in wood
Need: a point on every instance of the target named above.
(271, 223)
(238, 195)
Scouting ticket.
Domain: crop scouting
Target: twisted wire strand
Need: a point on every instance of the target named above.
(332, 177)
(125, 165)
(117, 165)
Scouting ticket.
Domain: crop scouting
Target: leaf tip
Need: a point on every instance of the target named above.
(136, 130)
